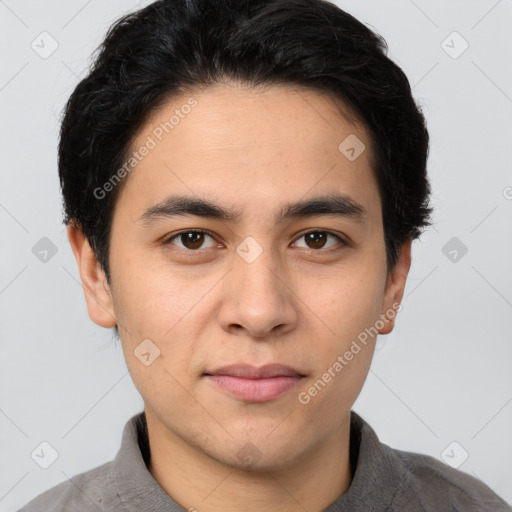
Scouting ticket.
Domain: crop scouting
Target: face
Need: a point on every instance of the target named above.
(260, 276)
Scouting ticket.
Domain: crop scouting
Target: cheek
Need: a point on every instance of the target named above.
(151, 298)
(349, 302)
(152, 303)
(341, 360)
(344, 347)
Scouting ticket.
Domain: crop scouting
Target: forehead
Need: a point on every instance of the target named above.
(247, 147)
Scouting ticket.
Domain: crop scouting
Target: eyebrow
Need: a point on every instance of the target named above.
(332, 204)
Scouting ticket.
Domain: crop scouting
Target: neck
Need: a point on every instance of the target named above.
(200, 483)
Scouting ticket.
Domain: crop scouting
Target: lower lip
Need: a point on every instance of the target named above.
(255, 390)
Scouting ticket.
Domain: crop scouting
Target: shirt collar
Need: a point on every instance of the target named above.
(378, 472)
(137, 490)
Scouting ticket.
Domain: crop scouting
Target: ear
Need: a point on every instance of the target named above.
(395, 288)
(94, 281)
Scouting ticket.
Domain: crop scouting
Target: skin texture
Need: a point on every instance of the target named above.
(297, 304)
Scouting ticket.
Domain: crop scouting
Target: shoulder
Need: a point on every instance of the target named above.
(398, 480)
(83, 492)
(429, 484)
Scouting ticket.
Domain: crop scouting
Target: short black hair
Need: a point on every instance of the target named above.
(172, 46)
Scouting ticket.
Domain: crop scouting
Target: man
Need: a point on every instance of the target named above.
(242, 183)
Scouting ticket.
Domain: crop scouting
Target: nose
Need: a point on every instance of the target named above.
(257, 300)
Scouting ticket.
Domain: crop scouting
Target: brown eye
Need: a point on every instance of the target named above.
(190, 240)
(319, 239)
(316, 240)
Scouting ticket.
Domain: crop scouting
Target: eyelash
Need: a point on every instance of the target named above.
(168, 241)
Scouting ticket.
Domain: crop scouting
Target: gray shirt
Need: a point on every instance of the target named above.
(383, 479)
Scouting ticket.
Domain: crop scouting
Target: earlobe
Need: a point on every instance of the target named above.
(94, 281)
(395, 288)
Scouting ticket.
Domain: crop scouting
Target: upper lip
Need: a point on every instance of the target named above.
(248, 371)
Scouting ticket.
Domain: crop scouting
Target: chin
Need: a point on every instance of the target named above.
(260, 455)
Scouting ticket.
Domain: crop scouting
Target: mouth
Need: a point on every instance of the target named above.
(255, 384)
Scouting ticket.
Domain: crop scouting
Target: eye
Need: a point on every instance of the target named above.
(318, 239)
(191, 240)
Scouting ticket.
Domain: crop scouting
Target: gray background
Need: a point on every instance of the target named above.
(443, 375)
